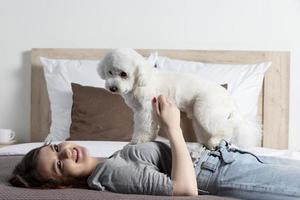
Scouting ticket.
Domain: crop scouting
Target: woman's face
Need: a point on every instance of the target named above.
(65, 160)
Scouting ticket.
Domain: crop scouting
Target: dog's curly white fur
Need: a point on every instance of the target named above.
(209, 105)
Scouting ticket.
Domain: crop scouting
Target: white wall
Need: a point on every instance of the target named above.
(169, 24)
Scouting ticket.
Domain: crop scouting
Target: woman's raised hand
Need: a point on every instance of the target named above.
(183, 173)
(167, 112)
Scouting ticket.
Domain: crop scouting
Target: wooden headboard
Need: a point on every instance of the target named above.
(273, 108)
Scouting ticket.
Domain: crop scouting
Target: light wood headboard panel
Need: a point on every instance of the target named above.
(273, 102)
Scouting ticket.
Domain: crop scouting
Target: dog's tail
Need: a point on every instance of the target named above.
(248, 132)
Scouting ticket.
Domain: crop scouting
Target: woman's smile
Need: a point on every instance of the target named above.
(79, 153)
(75, 154)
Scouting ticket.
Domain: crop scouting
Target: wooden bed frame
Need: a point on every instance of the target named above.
(273, 108)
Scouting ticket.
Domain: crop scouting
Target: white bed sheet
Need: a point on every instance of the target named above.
(96, 148)
(107, 148)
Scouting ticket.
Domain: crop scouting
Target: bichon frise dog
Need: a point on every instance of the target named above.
(209, 105)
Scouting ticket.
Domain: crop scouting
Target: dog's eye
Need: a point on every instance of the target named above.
(123, 74)
(110, 72)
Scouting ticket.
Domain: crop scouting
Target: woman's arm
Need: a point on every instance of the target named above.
(183, 172)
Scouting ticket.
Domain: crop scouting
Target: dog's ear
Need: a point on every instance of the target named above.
(143, 73)
(101, 69)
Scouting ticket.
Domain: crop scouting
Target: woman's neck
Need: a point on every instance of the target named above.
(94, 162)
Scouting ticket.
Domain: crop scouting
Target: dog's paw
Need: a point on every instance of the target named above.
(139, 140)
(134, 141)
(213, 142)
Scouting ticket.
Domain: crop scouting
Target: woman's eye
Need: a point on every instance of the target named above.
(110, 72)
(123, 74)
(55, 147)
(59, 164)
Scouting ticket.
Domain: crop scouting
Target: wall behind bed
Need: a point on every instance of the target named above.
(169, 24)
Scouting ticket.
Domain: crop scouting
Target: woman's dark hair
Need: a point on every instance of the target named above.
(26, 174)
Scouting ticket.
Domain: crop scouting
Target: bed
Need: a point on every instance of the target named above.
(272, 112)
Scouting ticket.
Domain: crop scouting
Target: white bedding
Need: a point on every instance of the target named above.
(106, 148)
(96, 148)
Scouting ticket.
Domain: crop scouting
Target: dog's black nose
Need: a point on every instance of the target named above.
(113, 88)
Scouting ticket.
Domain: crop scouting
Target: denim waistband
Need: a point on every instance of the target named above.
(207, 166)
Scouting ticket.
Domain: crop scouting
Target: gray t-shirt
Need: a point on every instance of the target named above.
(136, 169)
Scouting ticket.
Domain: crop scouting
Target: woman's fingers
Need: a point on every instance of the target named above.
(160, 102)
(156, 105)
(169, 101)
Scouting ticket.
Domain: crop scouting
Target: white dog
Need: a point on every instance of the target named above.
(209, 105)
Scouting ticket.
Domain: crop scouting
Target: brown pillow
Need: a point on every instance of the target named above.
(99, 115)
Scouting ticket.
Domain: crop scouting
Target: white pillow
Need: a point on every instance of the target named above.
(59, 75)
(244, 80)
(244, 83)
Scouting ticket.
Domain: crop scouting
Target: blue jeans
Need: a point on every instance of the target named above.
(240, 174)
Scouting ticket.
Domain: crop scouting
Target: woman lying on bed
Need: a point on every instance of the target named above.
(156, 169)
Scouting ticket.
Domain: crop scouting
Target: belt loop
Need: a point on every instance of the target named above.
(209, 166)
(224, 143)
(207, 174)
